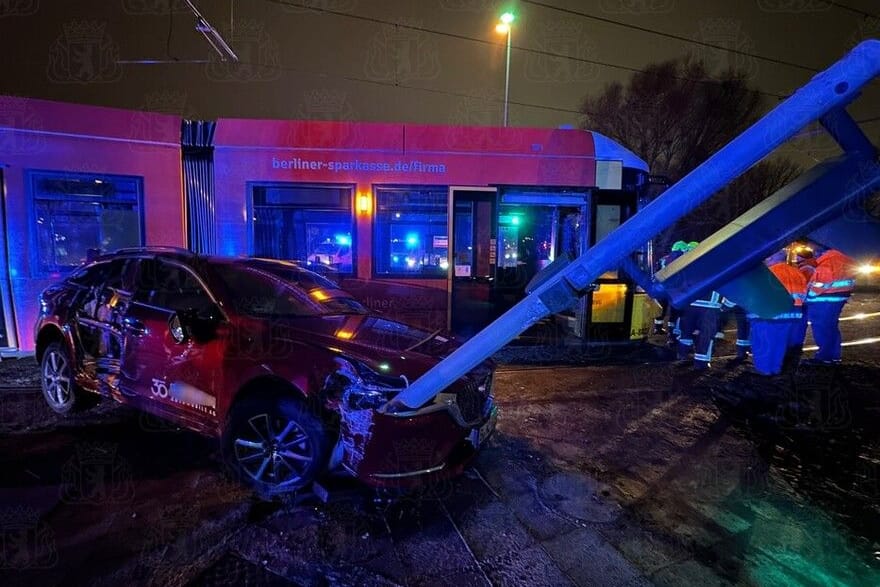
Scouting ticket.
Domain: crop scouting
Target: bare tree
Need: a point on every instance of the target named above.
(675, 116)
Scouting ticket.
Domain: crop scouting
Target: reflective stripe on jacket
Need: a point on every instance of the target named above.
(833, 279)
(713, 301)
(792, 279)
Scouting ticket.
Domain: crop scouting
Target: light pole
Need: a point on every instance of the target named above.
(505, 27)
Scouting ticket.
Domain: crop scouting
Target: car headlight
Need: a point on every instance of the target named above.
(361, 388)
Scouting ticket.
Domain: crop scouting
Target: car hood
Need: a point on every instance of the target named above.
(374, 340)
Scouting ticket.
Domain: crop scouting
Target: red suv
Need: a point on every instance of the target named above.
(289, 371)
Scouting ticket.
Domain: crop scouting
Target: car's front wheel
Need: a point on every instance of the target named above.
(275, 444)
(58, 383)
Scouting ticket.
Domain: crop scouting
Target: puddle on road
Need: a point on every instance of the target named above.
(811, 499)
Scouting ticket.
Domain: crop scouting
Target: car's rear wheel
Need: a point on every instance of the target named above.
(58, 384)
(275, 444)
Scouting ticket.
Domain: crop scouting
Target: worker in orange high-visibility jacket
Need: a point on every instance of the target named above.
(774, 339)
(806, 265)
(828, 290)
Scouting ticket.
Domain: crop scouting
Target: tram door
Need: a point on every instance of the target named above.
(5, 299)
(473, 257)
(610, 306)
(535, 228)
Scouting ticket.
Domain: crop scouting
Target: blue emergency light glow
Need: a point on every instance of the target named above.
(342, 239)
(412, 239)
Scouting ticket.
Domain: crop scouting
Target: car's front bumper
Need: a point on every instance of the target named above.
(410, 451)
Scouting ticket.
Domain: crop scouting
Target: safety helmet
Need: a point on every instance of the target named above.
(679, 246)
(692, 245)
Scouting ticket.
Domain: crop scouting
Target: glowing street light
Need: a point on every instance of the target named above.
(505, 27)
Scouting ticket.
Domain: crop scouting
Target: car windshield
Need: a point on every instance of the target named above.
(307, 280)
(333, 299)
(275, 290)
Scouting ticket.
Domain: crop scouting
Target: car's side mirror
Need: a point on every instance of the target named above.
(179, 332)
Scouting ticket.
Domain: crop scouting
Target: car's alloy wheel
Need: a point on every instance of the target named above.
(274, 451)
(276, 443)
(57, 379)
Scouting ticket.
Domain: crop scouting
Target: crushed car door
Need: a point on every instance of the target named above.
(100, 298)
(171, 369)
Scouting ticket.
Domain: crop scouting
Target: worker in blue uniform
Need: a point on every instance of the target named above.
(743, 343)
(667, 312)
(698, 325)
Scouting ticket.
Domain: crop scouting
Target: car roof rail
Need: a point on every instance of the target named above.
(157, 249)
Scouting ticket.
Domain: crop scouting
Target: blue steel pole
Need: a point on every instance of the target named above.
(832, 88)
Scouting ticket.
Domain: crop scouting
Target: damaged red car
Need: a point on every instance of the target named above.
(288, 370)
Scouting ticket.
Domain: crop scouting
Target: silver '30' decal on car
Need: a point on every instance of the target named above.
(159, 389)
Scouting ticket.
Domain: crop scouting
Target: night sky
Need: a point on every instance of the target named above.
(437, 61)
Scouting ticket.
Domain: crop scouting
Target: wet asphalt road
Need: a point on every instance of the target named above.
(632, 474)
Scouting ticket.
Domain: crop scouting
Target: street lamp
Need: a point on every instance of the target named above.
(505, 27)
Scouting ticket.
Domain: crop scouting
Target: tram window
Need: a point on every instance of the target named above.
(526, 236)
(76, 212)
(607, 221)
(311, 224)
(411, 232)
